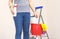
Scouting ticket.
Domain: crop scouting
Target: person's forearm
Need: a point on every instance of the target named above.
(11, 6)
(31, 4)
(10, 3)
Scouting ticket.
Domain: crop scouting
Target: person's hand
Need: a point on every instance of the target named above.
(12, 10)
(11, 6)
(36, 14)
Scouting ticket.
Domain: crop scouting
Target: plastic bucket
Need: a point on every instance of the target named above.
(36, 29)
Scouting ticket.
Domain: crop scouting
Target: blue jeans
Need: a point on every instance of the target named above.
(22, 21)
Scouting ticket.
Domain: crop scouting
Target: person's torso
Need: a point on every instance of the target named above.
(23, 5)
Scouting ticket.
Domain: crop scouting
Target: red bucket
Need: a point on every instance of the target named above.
(36, 29)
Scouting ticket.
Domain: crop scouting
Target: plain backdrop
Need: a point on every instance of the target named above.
(51, 15)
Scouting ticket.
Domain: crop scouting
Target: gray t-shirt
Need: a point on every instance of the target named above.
(23, 5)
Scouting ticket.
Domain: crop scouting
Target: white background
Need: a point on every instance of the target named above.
(51, 14)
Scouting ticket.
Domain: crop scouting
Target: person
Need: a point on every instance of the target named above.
(22, 20)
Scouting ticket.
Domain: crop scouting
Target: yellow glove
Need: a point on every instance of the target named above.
(44, 26)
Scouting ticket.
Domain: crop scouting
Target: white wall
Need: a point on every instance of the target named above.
(51, 14)
(6, 22)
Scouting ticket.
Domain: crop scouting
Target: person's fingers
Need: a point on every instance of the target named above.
(36, 15)
(12, 12)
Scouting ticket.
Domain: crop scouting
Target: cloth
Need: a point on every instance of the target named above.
(22, 21)
(23, 5)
